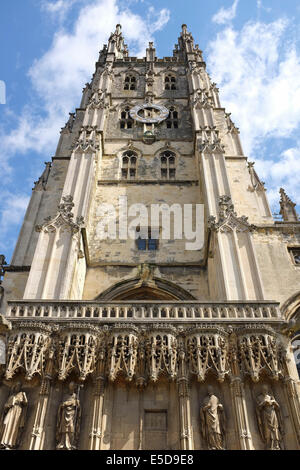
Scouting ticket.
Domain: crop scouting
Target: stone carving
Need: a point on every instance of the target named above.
(162, 355)
(77, 351)
(123, 355)
(212, 420)
(3, 263)
(202, 99)
(269, 420)
(70, 122)
(97, 100)
(210, 140)
(260, 352)
(145, 273)
(27, 351)
(144, 352)
(63, 218)
(13, 418)
(42, 181)
(208, 352)
(88, 140)
(228, 219)
(231, 126)
(68, 420)
(287, 208)
(257, 185)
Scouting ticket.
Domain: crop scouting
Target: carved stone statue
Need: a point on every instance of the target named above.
(212, 420)
(68, 420)
(269, 420)
(13, 419)
(145, 273)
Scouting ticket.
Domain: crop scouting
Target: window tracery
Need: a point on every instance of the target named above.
(130, 82)
(172, 119)
(126, 120)
(129, 161)
(168, 167)
(170, 82)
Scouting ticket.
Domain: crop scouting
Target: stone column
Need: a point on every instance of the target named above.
(38, 432)
(291, 387)
(141, 418)
(97, 418)
(186, 440)
(238, 399)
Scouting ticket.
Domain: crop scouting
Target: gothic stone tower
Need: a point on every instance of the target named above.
(167, 343)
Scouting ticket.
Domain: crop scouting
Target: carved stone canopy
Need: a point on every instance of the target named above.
(63, 218)
(228, 219)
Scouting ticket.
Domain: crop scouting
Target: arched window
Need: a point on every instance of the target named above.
(126, 120)
(129, 160)
(170, 82)
(130, 82)
(172, 119)
(168, 165)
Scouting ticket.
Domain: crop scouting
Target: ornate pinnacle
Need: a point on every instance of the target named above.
(228, 219)
(287, 208)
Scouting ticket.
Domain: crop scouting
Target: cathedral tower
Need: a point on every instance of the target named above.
(149, 339)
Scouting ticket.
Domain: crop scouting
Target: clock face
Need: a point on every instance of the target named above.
(149, 113)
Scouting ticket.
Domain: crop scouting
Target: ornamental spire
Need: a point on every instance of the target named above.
(287, 208)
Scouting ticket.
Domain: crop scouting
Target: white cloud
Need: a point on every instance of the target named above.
(58, 8)
(225, 15)
(13, 207)
(258, 72)
(283, 172)
(163, 17)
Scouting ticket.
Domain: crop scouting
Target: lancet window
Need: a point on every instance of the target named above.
(172, 120)
(126, 120)
(170, 82)
(168, 165)
(129, 162)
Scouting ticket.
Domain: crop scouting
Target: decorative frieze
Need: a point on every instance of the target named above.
(144, 352)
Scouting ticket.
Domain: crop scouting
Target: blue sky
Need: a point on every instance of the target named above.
(49, 48)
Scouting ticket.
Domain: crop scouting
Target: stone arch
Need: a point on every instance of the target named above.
(133, 289)
(291, 308)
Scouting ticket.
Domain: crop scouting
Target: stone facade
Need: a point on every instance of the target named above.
(114, 346)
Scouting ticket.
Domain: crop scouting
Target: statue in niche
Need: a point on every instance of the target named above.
(13, 419)
(269, 420)
(68, 420)
(212, 420)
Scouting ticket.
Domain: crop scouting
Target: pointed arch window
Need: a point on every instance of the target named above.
(130, 82)
(168, 165)
(126, 120)
(170, 82)
(172, 120)
(129, 163)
